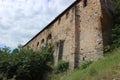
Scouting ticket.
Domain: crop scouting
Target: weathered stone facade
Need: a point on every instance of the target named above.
(79, 33)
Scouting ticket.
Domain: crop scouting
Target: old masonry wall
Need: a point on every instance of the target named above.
(79, 33)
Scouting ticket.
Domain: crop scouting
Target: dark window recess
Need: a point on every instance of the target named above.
(67, 14)
(61, 46)
(49, 37)
(83, 58)
(37, 44)
(84, 3)
(42, 41)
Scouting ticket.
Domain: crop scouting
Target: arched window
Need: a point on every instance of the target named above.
(49, 37)
(37, 44)
(42, 41)
(84, 3)
(67, 14)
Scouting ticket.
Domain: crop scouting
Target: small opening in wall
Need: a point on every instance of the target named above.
(37, 44)
(42, 41)
(61, 49)
(49, 37)
(83, 58)
(84, 3)
(67, 14)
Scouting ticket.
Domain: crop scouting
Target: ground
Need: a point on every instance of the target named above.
(106, 68)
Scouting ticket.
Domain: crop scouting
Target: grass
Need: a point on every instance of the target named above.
(106, 68)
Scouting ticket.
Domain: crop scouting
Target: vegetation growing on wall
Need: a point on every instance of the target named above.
(61, 66)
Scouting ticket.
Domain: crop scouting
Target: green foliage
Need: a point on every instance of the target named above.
(85, 64)
(5, 50)
(117, 11)
(62, 66)
(116, 36)
(25, 64)
(106, 68)
(93, 71)
(116, 28)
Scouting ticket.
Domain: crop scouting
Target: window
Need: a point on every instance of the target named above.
(83, 58)
(61, 47)
(42, 41)
(49, 37)
(37, 44)
(67, 14)
(84, 3)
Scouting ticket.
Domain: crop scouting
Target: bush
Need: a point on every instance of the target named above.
(116, 27)
(62, 66)
(116, 36)
(85, 64)
(26, 64)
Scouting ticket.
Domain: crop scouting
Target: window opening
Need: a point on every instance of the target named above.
(67, 14)
(42, 41)
(61, 47)
(37, 44)
(84, 3)
(49, 37)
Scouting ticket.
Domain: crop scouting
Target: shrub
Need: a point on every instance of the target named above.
(85, 64)
(116, 27)
(61, 66)
(116, 36)
(26, 64)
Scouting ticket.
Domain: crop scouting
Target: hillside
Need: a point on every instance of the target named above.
(106, 68)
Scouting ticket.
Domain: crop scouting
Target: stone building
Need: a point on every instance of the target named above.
(79, 33)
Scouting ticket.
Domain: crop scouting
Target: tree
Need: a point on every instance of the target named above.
(26, 64)
(116, 28)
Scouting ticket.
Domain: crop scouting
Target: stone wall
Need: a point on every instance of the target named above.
(62, 33)
(78, 34)
(91, 42)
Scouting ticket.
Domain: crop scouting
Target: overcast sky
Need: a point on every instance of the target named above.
(20, 20)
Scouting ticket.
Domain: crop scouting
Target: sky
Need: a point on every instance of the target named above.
(20, 20)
